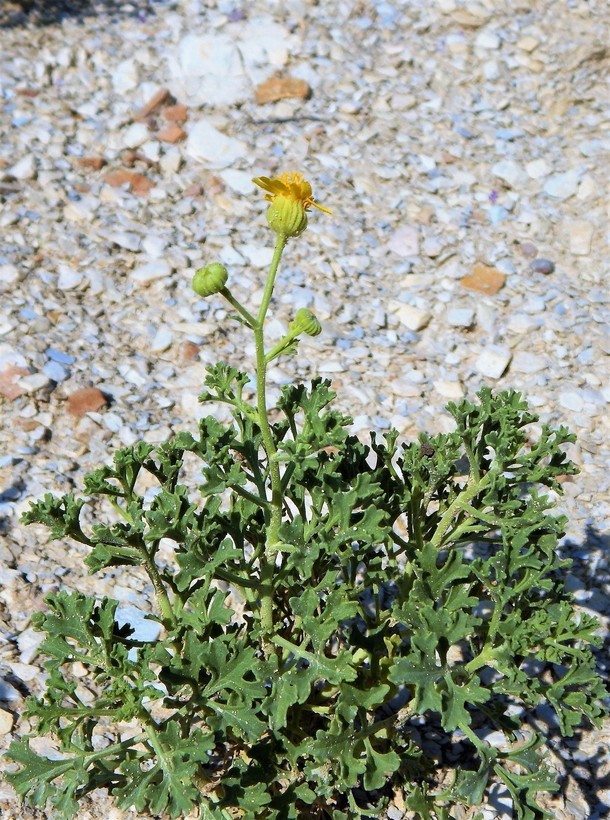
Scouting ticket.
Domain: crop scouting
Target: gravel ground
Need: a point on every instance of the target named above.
(461, 147)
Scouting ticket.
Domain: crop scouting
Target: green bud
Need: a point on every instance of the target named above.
(210, 279)
(305, 322)
(286, 216)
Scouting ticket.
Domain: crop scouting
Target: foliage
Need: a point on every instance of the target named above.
(413, 581)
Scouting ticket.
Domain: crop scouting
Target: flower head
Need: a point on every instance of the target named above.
(291, 197)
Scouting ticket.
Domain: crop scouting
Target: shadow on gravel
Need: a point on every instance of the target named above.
(15, 13)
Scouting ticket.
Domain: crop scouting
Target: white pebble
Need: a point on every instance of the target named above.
(487, 39)
(149, 272)
(68, 278)
(537, 168)
(124, 239)
(24, 169)
(209, 145)
(411, 317)
(450, 390)
(6, 722)
(581, 234)
(493, 361)
(135, 135)
(562, 186)
(405, 241)
(34, 382)
(510, 172)
(571, 400)
(162, 340)
(125, 77)
(460, 317)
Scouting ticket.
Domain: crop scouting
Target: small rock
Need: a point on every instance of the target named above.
(160, 98)
(28, 642)
(86, 400)
(528, 43)
(6, 722)
(541, 265)
(460, 317)
(144, 627)
(525, 362)
(493, 361)
(510, 172)
(562, 186)
(209, 145)
(58, 356)
(537, 168)
(24, 169)
(411, 317)
(154, 246)
(125, 77)
(56, 372)
(487, 39)
(69, 278)
(93, 163)
(571, 400)
(483, 279)
(238, 181)
(9, 276)
(176, 113)
(280, 88)
(135, 135)
(581, 234)
(150, 272)
(405, 241)
(137, 183)
(172, 134)
(127, 240)
(9, 377)
(527, 249)
(189, 351)
(449, 390)
(34, 382)
(162, 340)
(433, 247)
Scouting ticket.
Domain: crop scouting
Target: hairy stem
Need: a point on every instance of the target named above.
(275, 513)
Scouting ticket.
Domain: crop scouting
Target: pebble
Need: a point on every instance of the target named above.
(125, 76)
(580, 233)
(150, 272)
(571, 400)
(24, 169)
(460, 317)
(208, 70)
(484, 279)
(541, 265)
(136, 135)
(562, 186)
(124, 239)
(9, 276)
(162, 339)
(405, 241)
(210, 146)
(34, 382)
(69, 278)
(493, 361)
(6, 722)
(538, 168)
(488, 40)
(510, 172)
(56, 372)
(86, 400)
(410, 316)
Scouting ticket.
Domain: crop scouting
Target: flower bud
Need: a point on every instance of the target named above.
(210, 279)
(286, 216)
(305, 322)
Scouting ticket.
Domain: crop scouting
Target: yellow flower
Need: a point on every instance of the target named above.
(291, 197)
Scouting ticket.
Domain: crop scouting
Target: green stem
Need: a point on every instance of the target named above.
(471, 490)
(275, 519)
(160, 592)
(249, 318)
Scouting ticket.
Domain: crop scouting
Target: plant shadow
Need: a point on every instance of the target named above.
(15, 13)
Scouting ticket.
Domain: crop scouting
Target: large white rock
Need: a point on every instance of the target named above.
(209, 145)
(208, 70)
